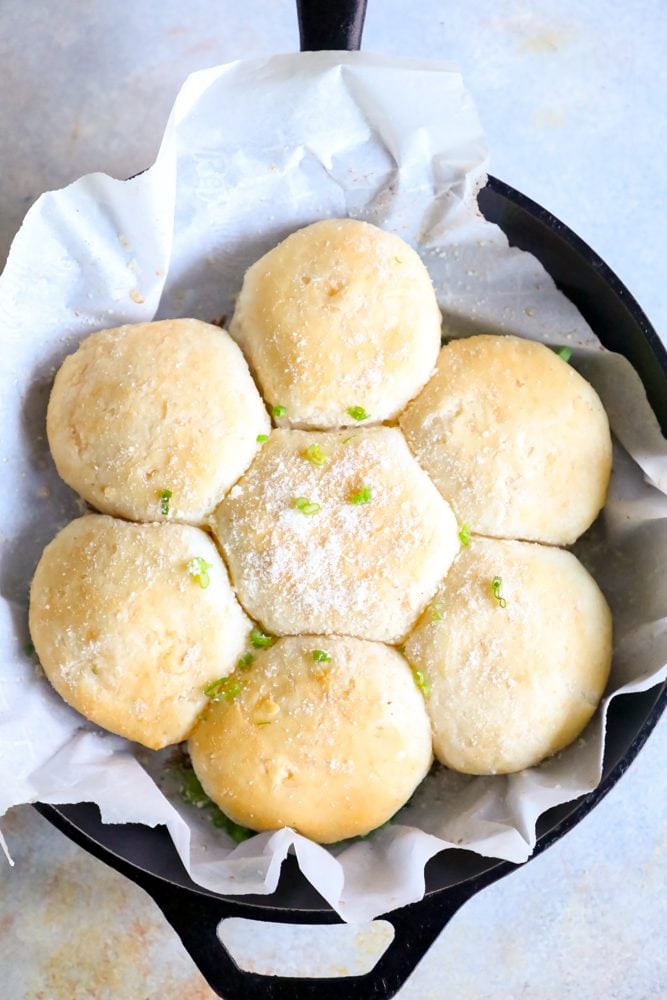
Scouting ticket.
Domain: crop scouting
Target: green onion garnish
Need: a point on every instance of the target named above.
(193, 794)
(245, 661)
(198, 569)
(565, 353)
(225, 688)
(306, 506)
(260, 640)
(315, 455)
(358, 413)
(437, 613)
(237, 832)
(321, 656)
(397, 259)
(496, 584)
(165, 497)
(464, 534)
(261, 438)
(279, 411)
(362, 496)
(422, 682)
(192, 791)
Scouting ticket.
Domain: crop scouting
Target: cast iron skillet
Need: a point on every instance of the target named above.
(148, 857)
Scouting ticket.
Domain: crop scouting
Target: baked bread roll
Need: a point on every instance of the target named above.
(130, 622)
(155, 420)
(336, 532)
(516, 648)
(324, 734)
(340, 324)
(514, 438)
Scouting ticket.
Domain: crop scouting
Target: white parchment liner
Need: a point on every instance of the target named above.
(252, 151)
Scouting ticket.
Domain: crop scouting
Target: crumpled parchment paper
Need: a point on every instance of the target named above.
(252, 151)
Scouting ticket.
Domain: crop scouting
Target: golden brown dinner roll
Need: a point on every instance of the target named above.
(336, 532)
(340, 324)
(155, 420)
(514, 438)
(130, 621)
(516, 648)
(325, 734)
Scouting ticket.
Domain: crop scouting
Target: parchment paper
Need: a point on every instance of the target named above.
(252, 151)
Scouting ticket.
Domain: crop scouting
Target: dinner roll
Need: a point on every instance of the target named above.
(130, 621)
(516, 647)
(340, 324)
(514, 438)
(336, 532)
(155, 420)
(324, 734)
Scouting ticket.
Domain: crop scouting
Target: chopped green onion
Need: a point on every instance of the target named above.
(422, 682)
(267, 722)
(362, 496)
(165, 497)
(358, 413)
(397, 259)
(348, 439)
(198, 569)
(192, 791)
(193, 794)
(245, 661)
(279, 411)
(464, 534)
(94, 669)
(321, 656)
(260, 640)
(496, 584)
(306, 506)
(225, 688)
(261, 438)
(437, 613)
(565, 353)
(29, 649)
(237, 832)
(315, 455)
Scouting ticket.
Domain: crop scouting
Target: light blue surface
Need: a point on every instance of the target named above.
(573, 100)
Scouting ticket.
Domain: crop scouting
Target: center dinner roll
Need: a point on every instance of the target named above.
(324, 734)
(340, 316)
(336, 532)
(154, 407)
(514, 438)
(130, 621)
(516, 647)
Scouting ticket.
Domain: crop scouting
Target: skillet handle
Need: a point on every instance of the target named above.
(195, 918)
(330, 24)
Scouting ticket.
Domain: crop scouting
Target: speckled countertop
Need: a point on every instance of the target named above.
(573, 100)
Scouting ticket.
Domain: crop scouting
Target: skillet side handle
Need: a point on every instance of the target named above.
(195, 918)
(330, 24)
